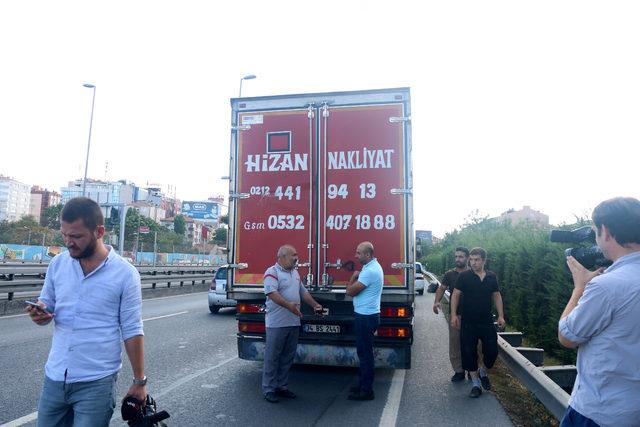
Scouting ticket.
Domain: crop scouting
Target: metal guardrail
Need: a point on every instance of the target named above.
(30, 277)
(552, 396)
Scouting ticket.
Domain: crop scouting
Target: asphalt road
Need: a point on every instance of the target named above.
(194, 373)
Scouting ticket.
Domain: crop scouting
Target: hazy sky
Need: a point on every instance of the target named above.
(514, 103)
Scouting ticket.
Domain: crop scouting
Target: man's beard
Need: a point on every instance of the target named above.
(461, 264)
(88, 251)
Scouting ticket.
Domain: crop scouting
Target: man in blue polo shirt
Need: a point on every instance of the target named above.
(366, 289)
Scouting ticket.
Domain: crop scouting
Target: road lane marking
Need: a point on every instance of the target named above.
(175, 296)
(144, 300)
(9, 317)
(22, 420)
(166, 315)
(191, 377)
(389, 416)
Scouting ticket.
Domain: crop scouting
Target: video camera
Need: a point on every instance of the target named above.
(588, 256)
(142, 414)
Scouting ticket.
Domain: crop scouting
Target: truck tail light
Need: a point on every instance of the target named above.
(394, 312)
(249, 308)
(393, 332)
(258, 328)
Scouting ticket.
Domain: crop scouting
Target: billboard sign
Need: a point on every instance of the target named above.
(204, 211)
(424, 236)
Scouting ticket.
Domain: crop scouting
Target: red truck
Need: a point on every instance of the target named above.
(323, 172)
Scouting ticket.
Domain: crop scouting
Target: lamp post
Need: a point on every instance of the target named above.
(248, 77)
(86, 164)
(29, 238)
(44, 250)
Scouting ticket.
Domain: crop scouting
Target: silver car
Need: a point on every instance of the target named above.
(218, 292)
(420, 279)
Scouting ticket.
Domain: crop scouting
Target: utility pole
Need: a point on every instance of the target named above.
(155, 246)
(137, 240)
(44, 250)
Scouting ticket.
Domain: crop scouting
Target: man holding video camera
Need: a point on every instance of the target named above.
(602, 320)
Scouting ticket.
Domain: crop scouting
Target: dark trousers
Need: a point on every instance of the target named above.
(279, 352)
(366, 326)
(470, 333)
(574, 418)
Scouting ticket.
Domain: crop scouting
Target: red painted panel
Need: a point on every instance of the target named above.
(277, 211)
(365, 160)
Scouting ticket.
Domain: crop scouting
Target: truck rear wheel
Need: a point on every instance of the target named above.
(214, 308)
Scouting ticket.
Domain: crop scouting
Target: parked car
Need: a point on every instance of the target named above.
(420, 280)
(432, 280)
(218, 292)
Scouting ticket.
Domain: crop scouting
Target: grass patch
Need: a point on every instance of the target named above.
(521, 405)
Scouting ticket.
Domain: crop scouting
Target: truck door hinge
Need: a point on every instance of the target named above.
(304, 264)
(403, 191)
(399, 119)
(401, 265)
(310, 113)
(239, 196)
(239, 266)
(325, 110)
(240, 127)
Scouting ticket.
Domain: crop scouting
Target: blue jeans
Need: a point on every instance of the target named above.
(82, 404)
(366, 326)
(575, 418)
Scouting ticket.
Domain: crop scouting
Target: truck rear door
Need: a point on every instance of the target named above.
(363, 185)
(273, 197)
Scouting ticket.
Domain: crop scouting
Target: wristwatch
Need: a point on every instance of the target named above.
(142, 381)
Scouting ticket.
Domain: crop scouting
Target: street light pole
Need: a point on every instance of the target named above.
(247, 77)
(44, 250)
(28, 238)
(86, 164)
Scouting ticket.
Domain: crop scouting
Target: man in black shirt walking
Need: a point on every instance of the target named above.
(479, 288)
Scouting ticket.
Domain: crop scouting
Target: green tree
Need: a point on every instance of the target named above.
(221, 236)
(179, 225)
(224, 219)
(51, 217)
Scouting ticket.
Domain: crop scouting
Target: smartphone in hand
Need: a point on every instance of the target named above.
(37, 307)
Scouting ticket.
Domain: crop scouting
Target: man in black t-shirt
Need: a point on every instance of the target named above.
(475, 320)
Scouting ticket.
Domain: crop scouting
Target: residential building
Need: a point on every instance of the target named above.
(194, 231)
(15, 199)
(42, 199)
(171, 206)
(100, 191)
(524, 214)
(150, 210)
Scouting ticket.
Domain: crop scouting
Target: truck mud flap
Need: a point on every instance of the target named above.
(250, 348)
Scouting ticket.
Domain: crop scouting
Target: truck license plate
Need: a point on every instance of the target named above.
(322, 329)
